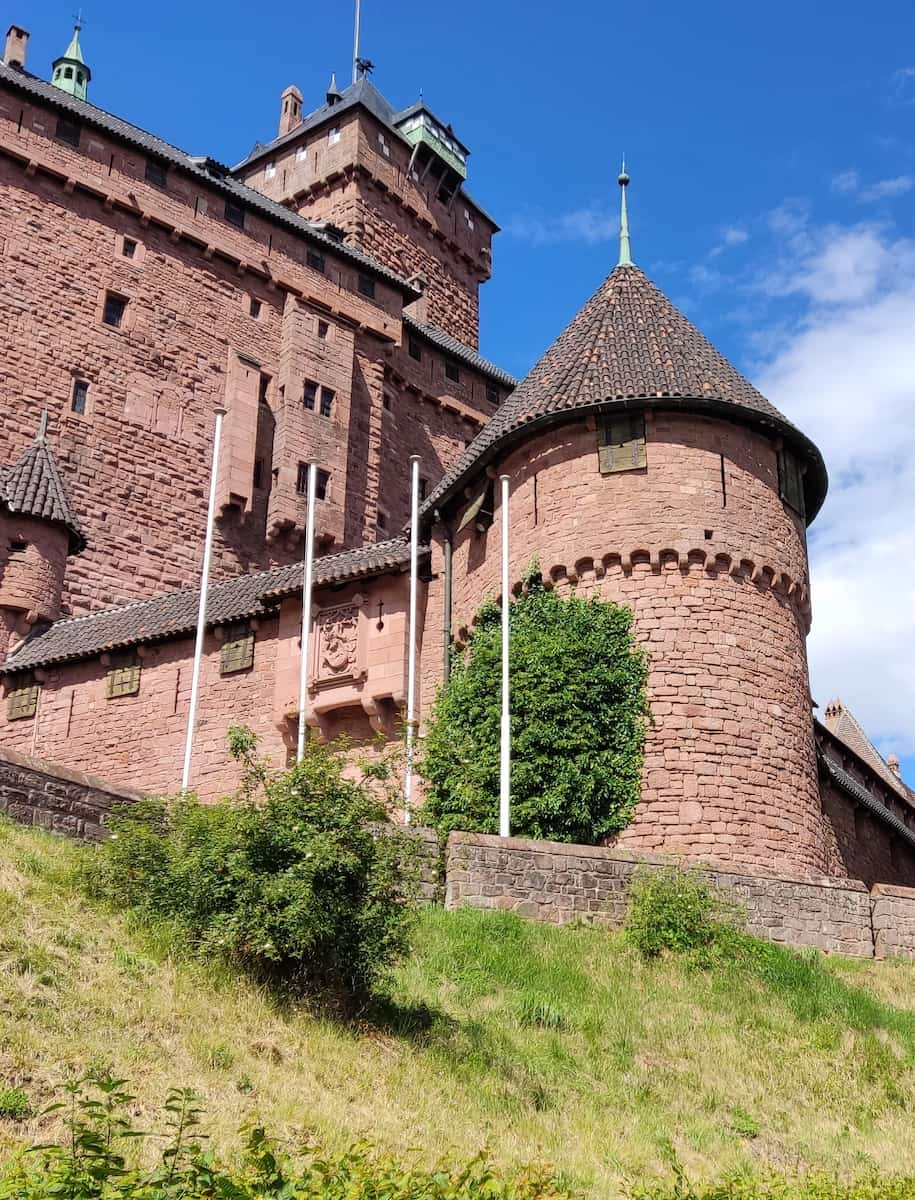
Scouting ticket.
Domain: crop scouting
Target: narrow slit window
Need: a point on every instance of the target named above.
(321, 485)
(621, 445)
(123, 678)
(79, 397)
(323, 330)
(254, 308)
(327, 402)
(237, 650)
(115, 308)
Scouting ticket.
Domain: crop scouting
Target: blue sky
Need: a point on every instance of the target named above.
(772, 154)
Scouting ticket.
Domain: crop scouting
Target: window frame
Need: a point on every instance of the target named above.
(452, 370)
(22, 698)
(791, 481)
(327, 396)
(365, 285)
(156, 173)
(79, 392)
(69, 132)
(122, 675)
(234, 213)
(622, 443)
(114, 298)
(310, 395)
(236, 651)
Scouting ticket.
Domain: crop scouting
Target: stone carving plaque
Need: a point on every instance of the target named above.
(336, 644)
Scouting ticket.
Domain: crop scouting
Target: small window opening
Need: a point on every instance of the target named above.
(621, 443)
(115, 307)
(270, 170)
(68, 72)
(327, 402)
(492, 393)
(79, 397)
(129, 249)
(415, 349)
(452, 371)
(254, 308)
(155, 173)
(382, 520)
(123, 678)
(423, 487)
(22, 701)
(367, 286)
(310, 395)
(315, 261)
(237, 650)
(18, 546)
(67, 131)
(235, 214)
(321, 485)
(333, 136)
(79, 77)
(323, 329)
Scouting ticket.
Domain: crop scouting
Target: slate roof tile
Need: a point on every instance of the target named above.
(444, 341)
(628, 345)
(175, 613)
(33, 487)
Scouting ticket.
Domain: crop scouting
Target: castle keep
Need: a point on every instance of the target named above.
(325, 291)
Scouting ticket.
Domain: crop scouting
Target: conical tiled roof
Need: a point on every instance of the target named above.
(33, 487)
(629, 345)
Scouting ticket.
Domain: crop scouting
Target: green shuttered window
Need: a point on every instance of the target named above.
(791, 481)
(22, 701)
(621, 443)
(237, 652)
(123, 677)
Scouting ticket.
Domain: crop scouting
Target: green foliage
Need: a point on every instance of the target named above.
(578, 720)
(295, 887)
(94, 1163)
(14, 1104)
(678, 910)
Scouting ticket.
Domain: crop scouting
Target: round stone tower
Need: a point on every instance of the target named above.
(646, 469)
(37, 533)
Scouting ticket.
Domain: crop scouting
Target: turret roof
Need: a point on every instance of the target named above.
(629, 347)
(33, 487)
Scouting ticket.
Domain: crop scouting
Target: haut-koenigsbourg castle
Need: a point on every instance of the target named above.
(324, 291)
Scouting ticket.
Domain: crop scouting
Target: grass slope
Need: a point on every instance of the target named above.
(542, 1044)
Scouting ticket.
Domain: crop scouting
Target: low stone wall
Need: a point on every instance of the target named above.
(35, 792)
(546, 881)
(551, 881)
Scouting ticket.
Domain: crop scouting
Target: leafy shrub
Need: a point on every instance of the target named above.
(14, 1104)
(746, 1186)
(677, 910)
(295, 887)
(577, 723)
(92, 1163)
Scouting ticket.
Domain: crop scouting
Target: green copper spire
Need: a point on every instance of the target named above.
(625, 259)
(69, 72)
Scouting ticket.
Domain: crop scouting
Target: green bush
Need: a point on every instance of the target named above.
(94, 1162)
(780, 1187)
(678, 910)
(298, 885)
(578, 715)
(14, 1104)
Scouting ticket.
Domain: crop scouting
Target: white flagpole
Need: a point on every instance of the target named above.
(411, 634)
(306, 604)
(505, 748)
(356, 35)
(202, 606)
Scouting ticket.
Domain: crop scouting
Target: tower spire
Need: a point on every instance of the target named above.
(69, 72)
(625, 259)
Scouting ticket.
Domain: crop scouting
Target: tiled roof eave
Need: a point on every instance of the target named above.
(726, 409)
(174, 614)
(154, 147)
(450, 345)
(861, 795)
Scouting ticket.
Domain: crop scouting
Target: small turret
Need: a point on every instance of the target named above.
(69, 72)
(37, 533)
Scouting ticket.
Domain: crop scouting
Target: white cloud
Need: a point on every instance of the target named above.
(731, 236)
(850, 183)
(591, 224)
(902, 85)
(846, 376)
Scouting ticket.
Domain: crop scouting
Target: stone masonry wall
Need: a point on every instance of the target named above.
(713, 564)
(35, 792)
(549, 881)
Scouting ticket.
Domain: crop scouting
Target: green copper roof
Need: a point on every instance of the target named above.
(625, 259)
(69, 73)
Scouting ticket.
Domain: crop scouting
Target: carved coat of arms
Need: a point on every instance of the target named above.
(336, 638)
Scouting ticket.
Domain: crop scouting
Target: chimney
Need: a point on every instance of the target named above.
(418, 309)
(893, 763)
(17, 41)
(290, 109)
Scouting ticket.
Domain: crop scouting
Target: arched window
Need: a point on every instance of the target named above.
(68, 72)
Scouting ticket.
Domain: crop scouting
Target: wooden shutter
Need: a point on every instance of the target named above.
(22, 701)
(791, 481)
(237, 653)
(621, 443)
(123, 675)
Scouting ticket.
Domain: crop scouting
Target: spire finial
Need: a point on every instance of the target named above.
(43, 427)
(625, 259)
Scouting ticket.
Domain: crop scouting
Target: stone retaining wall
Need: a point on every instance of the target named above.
(36, 792)
(551, 881)
(546, 881)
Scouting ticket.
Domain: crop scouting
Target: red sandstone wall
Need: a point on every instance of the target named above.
(719, 596)
(31, 580)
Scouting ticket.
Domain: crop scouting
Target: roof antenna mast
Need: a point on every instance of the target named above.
(356, 39)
